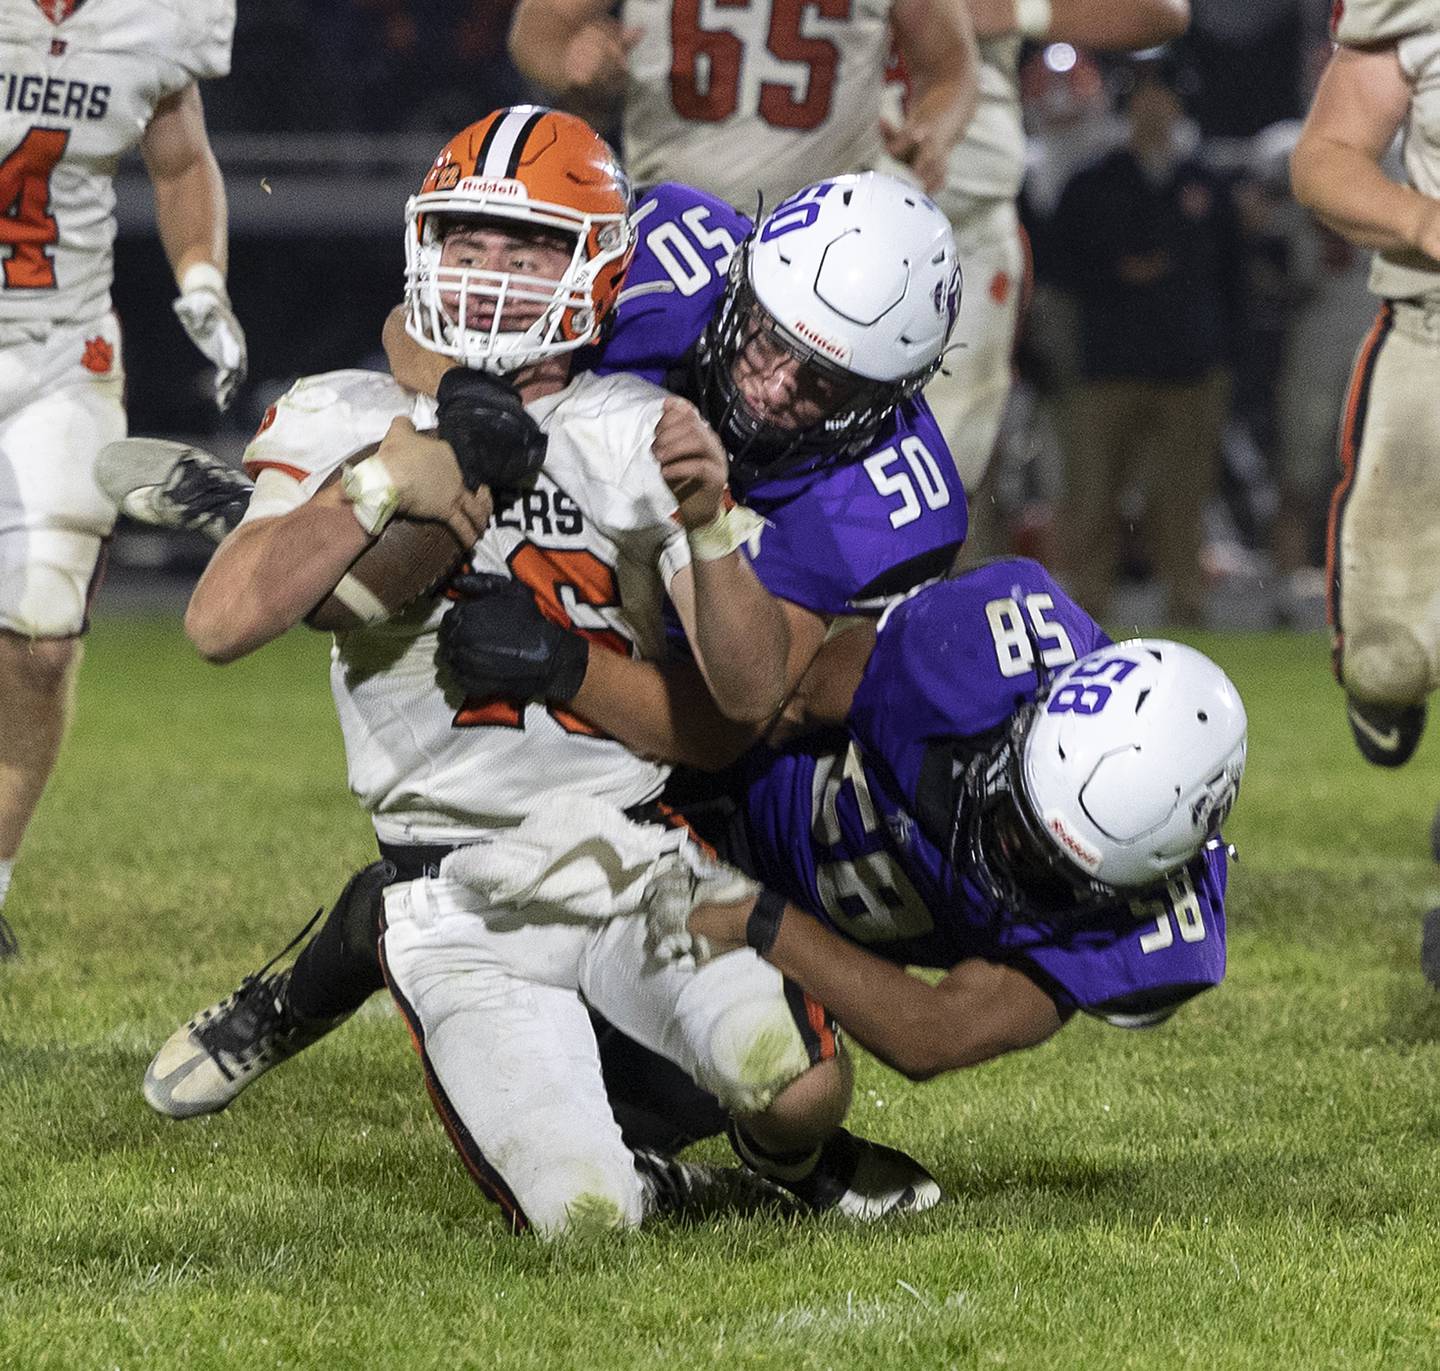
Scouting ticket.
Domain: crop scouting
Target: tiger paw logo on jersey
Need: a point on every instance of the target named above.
(99, 356)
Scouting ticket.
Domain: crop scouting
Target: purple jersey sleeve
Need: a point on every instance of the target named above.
(845, 538)
(860, 835)
(675, 282)
(955, 659)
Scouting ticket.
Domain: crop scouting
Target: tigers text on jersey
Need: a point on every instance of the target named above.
(596, 540)
(756, 96)
(75, 94)
(841, 538)
(1414, 27)
(859, 832)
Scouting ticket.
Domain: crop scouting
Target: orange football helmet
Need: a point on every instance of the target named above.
(525, 165)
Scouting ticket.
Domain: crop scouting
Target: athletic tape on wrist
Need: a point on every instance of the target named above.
(203, 276)
(729, 529)
(763, 925)
(371, 493)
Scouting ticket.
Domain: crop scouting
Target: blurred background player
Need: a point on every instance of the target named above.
(1147, 241)
(85, 83)
(759, 99)
(1384, 536)
(982, 181)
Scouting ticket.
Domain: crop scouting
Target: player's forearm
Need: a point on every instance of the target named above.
(1348, 191)
(414, 367)
(936, 39)
(979, 1011)
(190, 214)
(268, 575)
(663, 712)
(740, 638)
(901, 1019)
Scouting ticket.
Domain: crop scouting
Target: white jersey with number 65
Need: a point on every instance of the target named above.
(740, 96)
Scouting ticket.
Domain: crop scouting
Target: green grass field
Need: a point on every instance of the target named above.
(1253, 1185)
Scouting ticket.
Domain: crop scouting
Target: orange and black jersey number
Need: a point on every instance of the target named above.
(547, 572)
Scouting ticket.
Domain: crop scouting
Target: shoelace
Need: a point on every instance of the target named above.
(206, 491)
(254, 998)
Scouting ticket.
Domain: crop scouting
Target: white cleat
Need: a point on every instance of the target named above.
(208, 1061)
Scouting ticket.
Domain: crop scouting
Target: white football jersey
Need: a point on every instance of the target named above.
(988, 163)
(1414, 27)
(762, 96)
(77, 90)
(598, 539)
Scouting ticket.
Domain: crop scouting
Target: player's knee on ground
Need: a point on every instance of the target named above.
(580, 1196)
(1385, 664)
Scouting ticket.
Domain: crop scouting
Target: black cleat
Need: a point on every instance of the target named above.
(1430, 948)
(695, 1190)
(849, 1175)
(9, 943)
(173, 485)
(1387, 735)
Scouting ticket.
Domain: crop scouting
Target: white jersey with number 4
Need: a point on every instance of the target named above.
(764, 95)
(596, 540)
(79, 82)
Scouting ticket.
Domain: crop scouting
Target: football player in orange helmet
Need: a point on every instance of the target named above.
(517, 244)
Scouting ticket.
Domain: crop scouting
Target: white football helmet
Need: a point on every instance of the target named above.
(534, 168)
(857, 276)
(1120, 774)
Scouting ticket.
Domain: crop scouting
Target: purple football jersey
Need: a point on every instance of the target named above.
(840, 539)
(860, 830)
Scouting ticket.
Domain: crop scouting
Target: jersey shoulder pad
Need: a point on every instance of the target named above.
(600, 436)
(674, 199)
(322, 420)
(196, 35)
(955, 657)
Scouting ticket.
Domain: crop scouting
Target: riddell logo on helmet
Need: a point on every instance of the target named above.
(1086, 856)
(503, 187)
(820, 342)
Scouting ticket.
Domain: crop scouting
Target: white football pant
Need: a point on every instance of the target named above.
(61, 401)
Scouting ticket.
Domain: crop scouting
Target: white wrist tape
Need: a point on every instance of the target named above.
(729, 529)
(1032, 17)
(203, 276)
(371, 492)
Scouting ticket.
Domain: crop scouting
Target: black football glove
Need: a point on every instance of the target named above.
(495, 641)
(496, 442)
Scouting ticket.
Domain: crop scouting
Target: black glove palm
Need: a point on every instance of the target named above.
(495, 641)
(496, 442)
